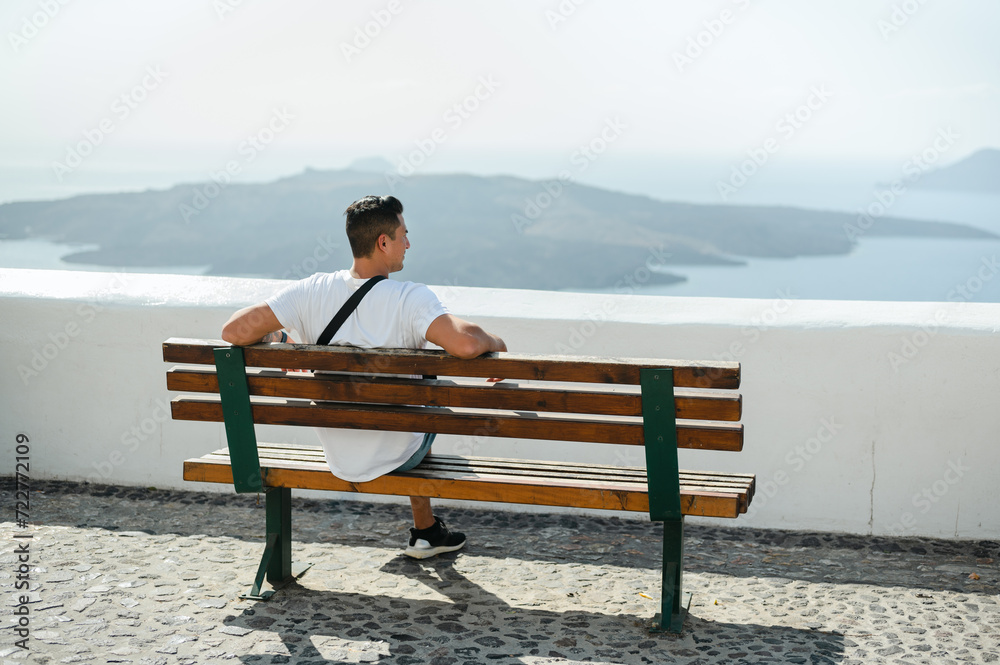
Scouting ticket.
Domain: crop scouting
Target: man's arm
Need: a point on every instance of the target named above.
(462, 338)
(251, 325)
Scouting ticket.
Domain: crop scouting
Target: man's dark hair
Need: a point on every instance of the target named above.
(368, 218)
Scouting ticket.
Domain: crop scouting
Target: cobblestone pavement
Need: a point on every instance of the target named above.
(125, 575)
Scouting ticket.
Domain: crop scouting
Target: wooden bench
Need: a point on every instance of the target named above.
(587, 400)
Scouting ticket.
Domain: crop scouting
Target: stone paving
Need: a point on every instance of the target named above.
(126, 575)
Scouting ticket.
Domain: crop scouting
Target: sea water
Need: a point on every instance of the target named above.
(879, 268)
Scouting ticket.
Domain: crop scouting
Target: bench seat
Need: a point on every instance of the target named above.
(703, 493)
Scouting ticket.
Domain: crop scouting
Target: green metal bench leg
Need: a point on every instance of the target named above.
(276, 563)
(674, 603)
(659, 422)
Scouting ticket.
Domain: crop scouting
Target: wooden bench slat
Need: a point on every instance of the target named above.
(696, 499)
(690, 483)
(501, 461)
(702, 435)
(552, 464)
(709, 481)
(691, 405)
(315, 453)
(581, 369)
(600, 474)
(553, 469)
(692, 480)
(595, 476)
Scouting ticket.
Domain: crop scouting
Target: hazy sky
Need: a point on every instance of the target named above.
(184, 84)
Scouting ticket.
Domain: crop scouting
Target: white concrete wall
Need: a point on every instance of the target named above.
(861, 417)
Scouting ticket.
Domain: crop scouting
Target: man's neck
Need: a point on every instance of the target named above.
(366, 268)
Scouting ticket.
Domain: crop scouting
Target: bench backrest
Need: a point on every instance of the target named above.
(597, 400)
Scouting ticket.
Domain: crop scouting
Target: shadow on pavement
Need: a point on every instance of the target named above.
(472, 625)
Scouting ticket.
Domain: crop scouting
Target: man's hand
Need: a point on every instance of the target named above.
(275, 338)
(503, 346)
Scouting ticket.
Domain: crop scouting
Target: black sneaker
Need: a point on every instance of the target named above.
(433, 540)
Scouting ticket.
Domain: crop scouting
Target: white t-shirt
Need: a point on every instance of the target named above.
(392, 315)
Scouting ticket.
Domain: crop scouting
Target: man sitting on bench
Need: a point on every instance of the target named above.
(392, 315)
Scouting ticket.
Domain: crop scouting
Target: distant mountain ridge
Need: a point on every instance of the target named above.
(979, 172)
(466, 230)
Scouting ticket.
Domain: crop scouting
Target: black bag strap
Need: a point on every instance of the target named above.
(347, 309)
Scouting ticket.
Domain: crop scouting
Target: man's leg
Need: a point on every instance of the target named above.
(423, 518)
(429, 535)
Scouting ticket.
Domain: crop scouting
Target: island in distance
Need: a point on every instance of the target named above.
(979, 172)
(466, 230)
